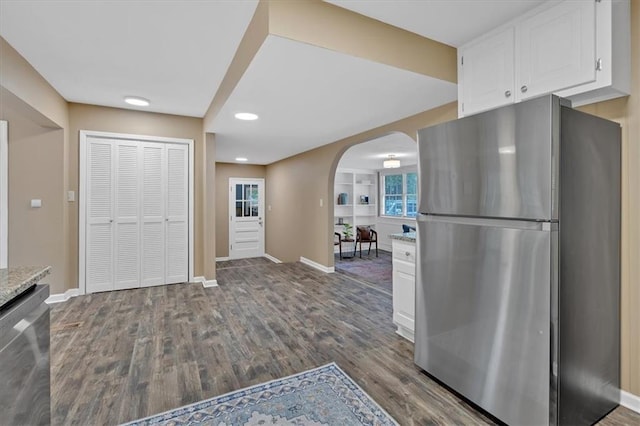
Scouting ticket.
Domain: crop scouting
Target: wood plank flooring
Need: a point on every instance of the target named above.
(124, 355)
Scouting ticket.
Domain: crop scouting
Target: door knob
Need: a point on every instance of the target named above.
(507, 93)
(523, 89)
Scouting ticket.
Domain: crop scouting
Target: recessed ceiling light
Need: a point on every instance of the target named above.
(241, 159)
(246, 116)
(134, 100)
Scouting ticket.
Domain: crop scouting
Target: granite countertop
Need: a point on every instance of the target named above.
(404, 236)
(17, 280)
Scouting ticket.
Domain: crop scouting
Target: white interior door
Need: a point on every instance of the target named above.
(137, 213)
(4, 194)
(246, 213)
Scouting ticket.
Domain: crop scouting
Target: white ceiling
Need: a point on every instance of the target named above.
(370, 155)
(174, 53)
(453, 22)
(308, 96)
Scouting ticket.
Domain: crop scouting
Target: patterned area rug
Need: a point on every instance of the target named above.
(322, 396)
(371, 269)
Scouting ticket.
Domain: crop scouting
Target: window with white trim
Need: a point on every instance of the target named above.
(399, 193)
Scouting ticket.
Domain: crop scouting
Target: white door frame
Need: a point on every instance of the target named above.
(82, 192)
(4, 194)
(232, 181)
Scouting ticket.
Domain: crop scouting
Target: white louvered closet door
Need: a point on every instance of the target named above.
(137, 214)
(99, 223)
(177, 209)
(153, 217)
(127, 223)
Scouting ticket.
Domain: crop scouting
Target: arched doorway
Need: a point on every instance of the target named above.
(369, 193)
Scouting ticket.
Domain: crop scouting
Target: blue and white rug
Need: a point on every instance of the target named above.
(318, 397)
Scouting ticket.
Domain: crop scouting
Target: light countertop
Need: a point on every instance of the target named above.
(15, 281)
(409, 237)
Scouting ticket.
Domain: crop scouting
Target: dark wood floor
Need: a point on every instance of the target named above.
(124, 355)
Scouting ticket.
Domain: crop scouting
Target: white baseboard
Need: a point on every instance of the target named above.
(210, 283)
(316, 265)
(271, 258)
(631, 401)
(198, 279)
(58, 298)
(222, 259)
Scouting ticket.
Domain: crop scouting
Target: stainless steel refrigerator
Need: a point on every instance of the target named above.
(518, 270)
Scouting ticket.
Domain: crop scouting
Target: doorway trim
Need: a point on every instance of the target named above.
(82, 190)
(4, 194)
(261, 204)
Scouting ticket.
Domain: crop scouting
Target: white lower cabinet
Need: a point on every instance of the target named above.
(404, 287)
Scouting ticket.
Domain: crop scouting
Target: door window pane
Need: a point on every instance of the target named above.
(238, 208)
(239, 192)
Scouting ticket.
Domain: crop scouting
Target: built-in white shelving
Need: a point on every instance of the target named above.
(359, 206)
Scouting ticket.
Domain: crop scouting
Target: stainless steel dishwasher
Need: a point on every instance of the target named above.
(24, 360)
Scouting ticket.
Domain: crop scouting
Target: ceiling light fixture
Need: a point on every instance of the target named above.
(391, 163)
(242, 159)
(246, 116)
(137, 101)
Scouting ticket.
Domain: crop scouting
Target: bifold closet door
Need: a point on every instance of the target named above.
(153, 218)
(136, 214)
(126, 216)
(177, 211)
(99, 210)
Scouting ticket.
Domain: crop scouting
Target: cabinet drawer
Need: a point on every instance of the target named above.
(407, 268)
(406, 252)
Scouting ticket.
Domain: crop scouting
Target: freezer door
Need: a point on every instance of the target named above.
(496, 164)
(483, 315)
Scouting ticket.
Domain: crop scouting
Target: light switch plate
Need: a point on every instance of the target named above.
(71, 195)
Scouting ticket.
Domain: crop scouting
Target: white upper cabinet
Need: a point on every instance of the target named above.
(556, 49)
(613, 56)
(487, 68)
(577, 49)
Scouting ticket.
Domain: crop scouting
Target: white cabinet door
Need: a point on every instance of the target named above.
(126, 222)
(556, 49)
(404, 294)
(486, 73)
(153, 220)
(99, 222)
(177, 210)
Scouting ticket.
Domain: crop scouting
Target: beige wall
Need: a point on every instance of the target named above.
(36, 236)
(38, 120)
(90, 117)
(626, 111)
(295, 186)
(224, 171)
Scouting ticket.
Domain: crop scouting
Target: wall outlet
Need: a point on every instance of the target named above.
(321, 202)
(36, 204)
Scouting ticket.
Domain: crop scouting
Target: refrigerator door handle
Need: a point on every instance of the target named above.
(484, 221)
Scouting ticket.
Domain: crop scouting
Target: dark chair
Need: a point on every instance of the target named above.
(407, 228)
(364, 234)
(338, 242)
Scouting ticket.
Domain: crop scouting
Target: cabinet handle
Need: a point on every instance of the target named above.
(407, 254)
(523, 89)
(507, 93)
